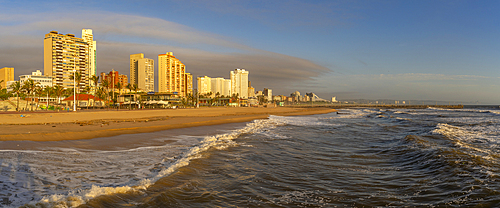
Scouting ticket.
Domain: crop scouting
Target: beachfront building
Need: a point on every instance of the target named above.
(6, 74)
(63, 56)
(171, 74)
(239, 83)
(38, 79)
(88, 37)
(142, 72)
(113, 77)
(221, 86)
(204, 85)
(188, 83)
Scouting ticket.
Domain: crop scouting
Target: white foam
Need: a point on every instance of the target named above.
(103, 162)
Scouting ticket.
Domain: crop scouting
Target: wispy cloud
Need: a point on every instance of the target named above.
(120, 35)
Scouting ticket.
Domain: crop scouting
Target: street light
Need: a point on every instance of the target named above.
(74, 83)
(74, 89)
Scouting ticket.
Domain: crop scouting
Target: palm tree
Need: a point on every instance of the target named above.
(105, 84)
(17, 89)
(1, 84)
(94, 79)
(119, 86)
(58, 91)
(29, 87)
(48, 91)
(37, 91)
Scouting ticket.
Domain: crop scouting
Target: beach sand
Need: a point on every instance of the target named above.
(92, 124)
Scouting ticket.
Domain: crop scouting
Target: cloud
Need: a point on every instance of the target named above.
(415, 86)
(119, 35)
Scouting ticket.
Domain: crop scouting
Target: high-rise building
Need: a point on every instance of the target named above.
(188, 79)
(89, 38)
(239, 83)
(268, 93)
(113, 77)
(146, 75)
(62, 55)
(6, 74)
(221, 86)
(142, 72)
(134, 67)
(204, 85)
(171, 74)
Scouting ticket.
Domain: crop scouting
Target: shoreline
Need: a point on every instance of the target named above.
(88, 125)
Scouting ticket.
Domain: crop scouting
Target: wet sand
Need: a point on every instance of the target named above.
(93, 124)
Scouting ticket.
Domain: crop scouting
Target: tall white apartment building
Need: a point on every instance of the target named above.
(221, 86)
(239, 83)
(92, 65)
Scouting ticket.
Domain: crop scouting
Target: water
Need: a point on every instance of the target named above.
(361, 158)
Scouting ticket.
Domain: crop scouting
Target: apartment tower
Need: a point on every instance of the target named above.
(239, 83)
(62, 55)
(171, 74)
(6, 74)
(89, 38)
(142, 72)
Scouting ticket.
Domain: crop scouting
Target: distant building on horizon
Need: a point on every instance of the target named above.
(268, 93)
(171, 74)
(6, 74)
(142, 72)
(62, 55)
(239, 83)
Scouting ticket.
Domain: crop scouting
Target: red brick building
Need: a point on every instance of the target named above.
(113, 77)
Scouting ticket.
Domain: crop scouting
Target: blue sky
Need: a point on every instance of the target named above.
(420, 50)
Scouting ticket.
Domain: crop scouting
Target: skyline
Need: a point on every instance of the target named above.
(412, 50)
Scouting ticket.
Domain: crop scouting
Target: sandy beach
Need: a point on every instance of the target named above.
(92, 124)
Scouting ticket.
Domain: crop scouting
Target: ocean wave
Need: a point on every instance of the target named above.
(79, 196)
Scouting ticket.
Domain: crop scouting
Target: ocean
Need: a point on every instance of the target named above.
(361, 157)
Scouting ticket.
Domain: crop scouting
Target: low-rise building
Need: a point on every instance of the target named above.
(38, 79)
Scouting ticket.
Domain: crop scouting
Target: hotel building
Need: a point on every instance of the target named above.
(62, 55)
(171, 74)
(6, 74)
(239, 83)
(142, 72)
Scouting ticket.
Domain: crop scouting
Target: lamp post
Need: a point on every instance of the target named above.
(74, 89)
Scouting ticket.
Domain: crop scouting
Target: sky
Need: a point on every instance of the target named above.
(380, 49)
